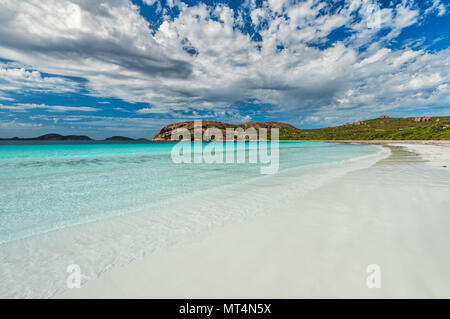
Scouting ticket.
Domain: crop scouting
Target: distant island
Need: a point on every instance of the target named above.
(126, 139)
(51, 137)
(58, 137)
(382, 128)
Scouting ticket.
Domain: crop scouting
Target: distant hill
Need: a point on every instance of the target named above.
(382, 128)
(51, 137)
(58, 137)
(124, 139)
(267, 125)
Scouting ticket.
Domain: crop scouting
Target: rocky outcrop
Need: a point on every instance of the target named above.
(165, 133)
(353, 124)
(52, 137)
(422, 119)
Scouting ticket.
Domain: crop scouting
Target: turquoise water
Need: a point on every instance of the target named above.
(103, 205)
(48, 187)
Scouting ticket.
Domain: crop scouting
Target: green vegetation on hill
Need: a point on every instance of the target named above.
(376, 129)
(383, 128)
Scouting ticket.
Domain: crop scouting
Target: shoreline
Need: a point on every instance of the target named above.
(378, 142)
(435, 153)
(39, 142)
(115, 237)
(315, 246)
(436, 157)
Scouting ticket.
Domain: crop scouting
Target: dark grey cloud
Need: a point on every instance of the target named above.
(120, 51)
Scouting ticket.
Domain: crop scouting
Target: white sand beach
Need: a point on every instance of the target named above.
(435, 155)
(393, 214)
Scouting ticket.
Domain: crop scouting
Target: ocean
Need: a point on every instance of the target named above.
(103, 205)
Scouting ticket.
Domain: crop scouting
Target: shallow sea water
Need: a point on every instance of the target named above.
(104, 205)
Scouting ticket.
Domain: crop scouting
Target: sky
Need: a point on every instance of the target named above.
(128, 67)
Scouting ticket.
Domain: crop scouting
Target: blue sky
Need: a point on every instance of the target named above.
(127, 67)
